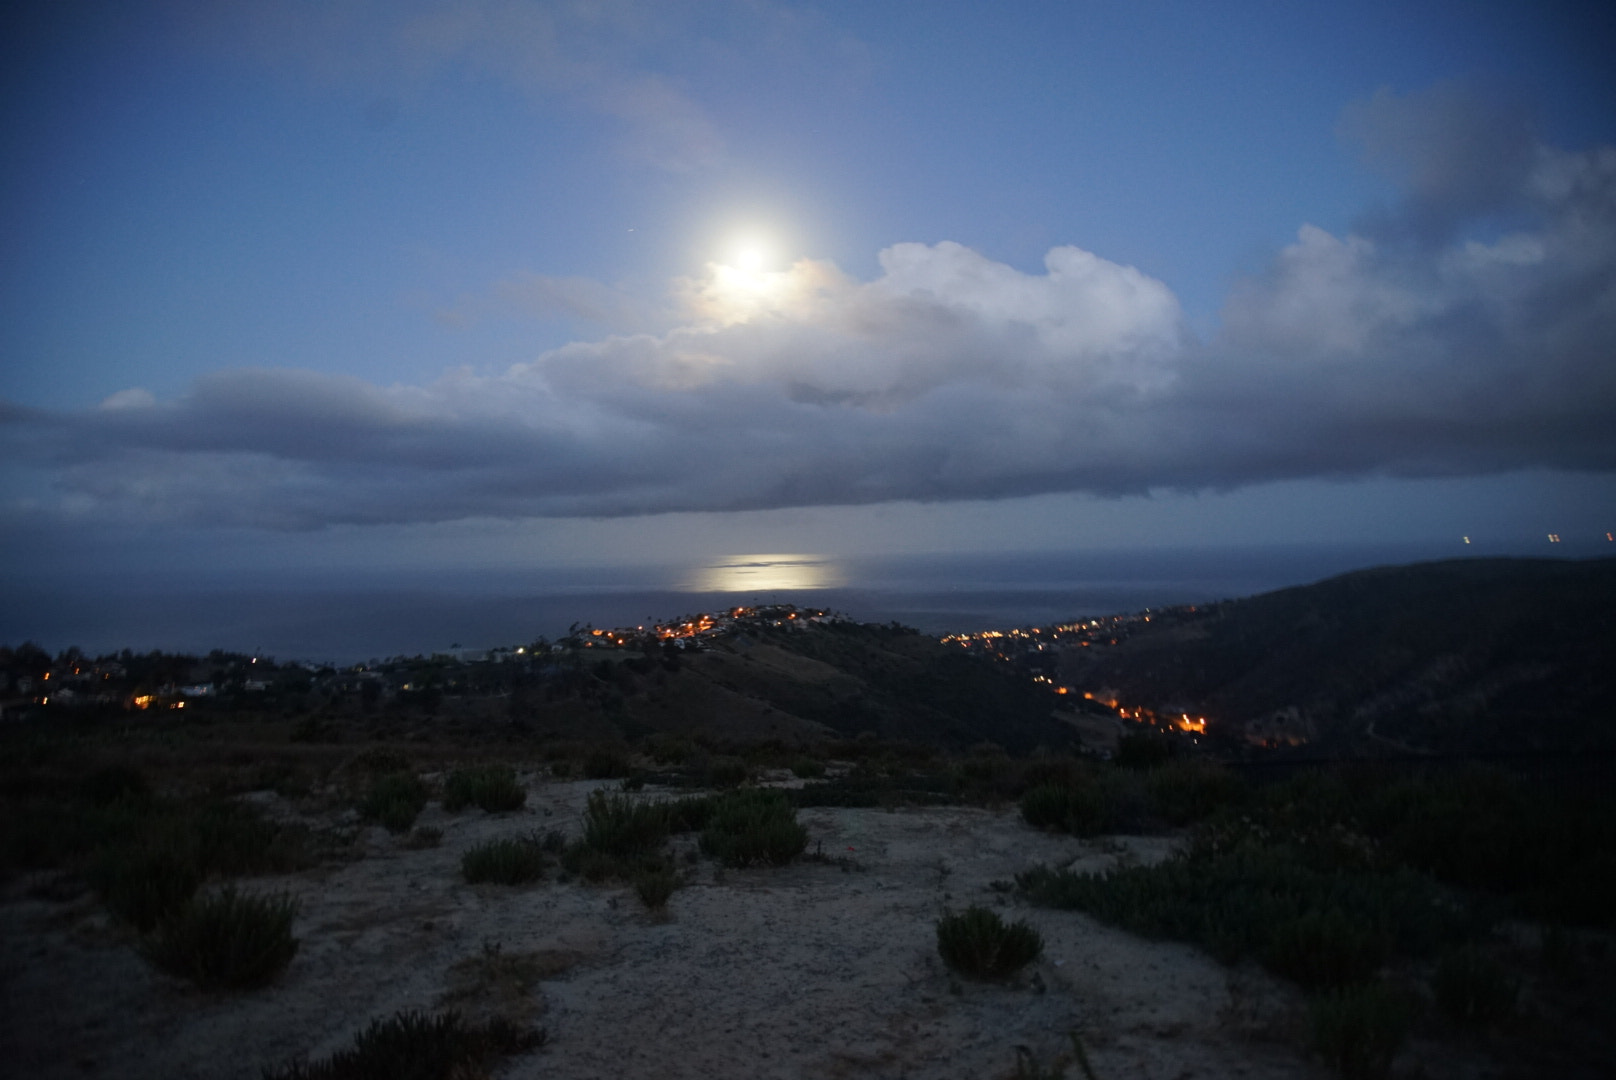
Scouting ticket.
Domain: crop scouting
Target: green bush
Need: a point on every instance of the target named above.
(607, 763)
(492, 788)
(861, 789)
(394, 801)
(1181, 792)
(1101, 802)
(594, 866)
(508, 861)
(228, 939)
(726, 772)
(688, 814)
(234, 840)
(654, 885)
(115, 783)
(416, 1046)
(423, 837)
(978, 944)
(1325, 948)
(144, 883)
(808, 768)
(1044, 806)
(1359, 1029)
(756, 826)
(1473, 989)
(615, 824)
(1279, 903)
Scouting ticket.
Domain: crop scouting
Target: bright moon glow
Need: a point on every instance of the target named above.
(743, 284)
(766, 573)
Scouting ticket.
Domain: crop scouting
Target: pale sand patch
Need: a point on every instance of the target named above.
(813, 970)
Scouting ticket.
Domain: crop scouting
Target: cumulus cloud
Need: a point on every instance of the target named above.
(947, 376)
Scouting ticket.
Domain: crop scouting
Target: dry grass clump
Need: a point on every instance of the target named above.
(512, 860)
(1358, 1030)
(394, 801)
(758, 826)
(226, 940)
(492, 788)
(980, 945)
(654, 884)
(411, 1045)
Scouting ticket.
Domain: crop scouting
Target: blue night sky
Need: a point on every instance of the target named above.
(522, 284)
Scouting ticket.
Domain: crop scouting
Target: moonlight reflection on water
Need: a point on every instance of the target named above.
(767, 573)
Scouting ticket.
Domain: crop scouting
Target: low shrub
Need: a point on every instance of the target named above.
(688, 814)
(615, 824)
(1144, 750)
(1181, 792)
(507, 861)
(1358, 1030)
(607, 763)
(1319, 924)
(862, 790)
(750, 827)
(394, 801)
(227, 939)
(654, 885)
(979, 945)
(412, 1045)
(115, 783)
(1473, 989)
(1325, 948)
(234, 840)
(726, 772)
(1101, 802)
(146, 882)
(808, 768)
(594, 866)
(492, 788)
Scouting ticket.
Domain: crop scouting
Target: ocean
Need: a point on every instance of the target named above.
(349, 617)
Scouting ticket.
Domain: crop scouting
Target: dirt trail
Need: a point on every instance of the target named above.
(814, 970)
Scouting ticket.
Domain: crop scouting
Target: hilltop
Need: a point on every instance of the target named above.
(1462, 656)
(777, 674)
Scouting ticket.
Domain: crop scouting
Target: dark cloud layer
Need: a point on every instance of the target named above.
(1471, 330)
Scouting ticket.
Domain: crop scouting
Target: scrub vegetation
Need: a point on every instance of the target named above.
(412, 1045)
(980, 945)
(1377, 891)
(491, 788)
(226, 940)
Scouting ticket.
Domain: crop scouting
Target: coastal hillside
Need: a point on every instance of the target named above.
(833, 680)
(1462, 656)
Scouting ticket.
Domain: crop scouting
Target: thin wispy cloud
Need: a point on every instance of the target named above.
(592, 57)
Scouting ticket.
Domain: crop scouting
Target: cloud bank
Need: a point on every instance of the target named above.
(1470, 331)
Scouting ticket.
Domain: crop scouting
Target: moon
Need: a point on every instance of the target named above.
(750, 257)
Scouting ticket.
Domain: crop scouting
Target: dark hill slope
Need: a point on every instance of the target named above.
(838, 680)
(1477, 655)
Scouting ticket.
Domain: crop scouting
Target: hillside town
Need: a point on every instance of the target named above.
(34, 684)
(1037, 650)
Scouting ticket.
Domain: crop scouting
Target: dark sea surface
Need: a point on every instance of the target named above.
(349, 617)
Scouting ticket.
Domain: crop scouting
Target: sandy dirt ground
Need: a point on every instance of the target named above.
(820, 969)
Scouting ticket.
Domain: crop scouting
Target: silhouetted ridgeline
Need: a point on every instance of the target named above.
(1483, 656)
